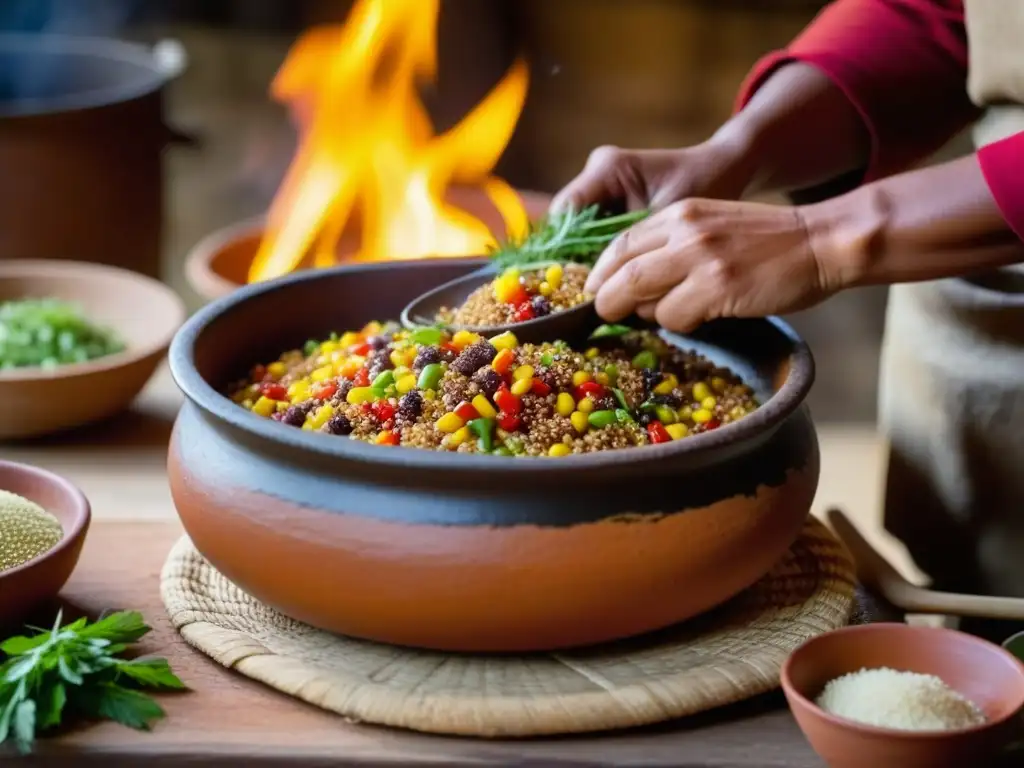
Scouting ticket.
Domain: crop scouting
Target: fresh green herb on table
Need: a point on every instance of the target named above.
(576, 236)
(77, 670)
(46, 333)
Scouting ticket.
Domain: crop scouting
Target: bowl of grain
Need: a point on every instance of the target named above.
(43, 522)
(904, 696)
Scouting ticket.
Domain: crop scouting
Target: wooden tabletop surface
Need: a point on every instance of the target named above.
(229, 720)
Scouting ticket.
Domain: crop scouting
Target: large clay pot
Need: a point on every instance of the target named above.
(475, 552)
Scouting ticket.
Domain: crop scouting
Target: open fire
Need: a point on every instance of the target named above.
(368, 157)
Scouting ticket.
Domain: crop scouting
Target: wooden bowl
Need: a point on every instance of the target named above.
(32, 583)
(144, 312)
(984, 673)
(464, 552)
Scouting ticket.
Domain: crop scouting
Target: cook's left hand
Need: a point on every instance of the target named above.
(698, 260)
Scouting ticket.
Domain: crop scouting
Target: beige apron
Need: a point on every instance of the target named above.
(952, 377)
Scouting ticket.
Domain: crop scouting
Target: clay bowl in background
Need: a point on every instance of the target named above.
(477, 552)
(33, 583)
(985, 673)
(219, 263)
(143, 311)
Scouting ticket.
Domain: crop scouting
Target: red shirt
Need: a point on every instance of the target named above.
(903, 64)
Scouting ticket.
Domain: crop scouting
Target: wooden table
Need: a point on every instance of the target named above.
(230, 720)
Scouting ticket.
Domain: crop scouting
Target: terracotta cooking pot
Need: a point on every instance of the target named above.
(476, 552)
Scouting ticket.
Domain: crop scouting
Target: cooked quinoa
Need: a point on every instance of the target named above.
(463, 392)
(517, 296)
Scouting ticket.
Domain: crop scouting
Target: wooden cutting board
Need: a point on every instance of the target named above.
(227, 720)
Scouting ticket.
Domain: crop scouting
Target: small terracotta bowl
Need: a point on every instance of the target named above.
(143, 312)
(32, 583)
(982, 672)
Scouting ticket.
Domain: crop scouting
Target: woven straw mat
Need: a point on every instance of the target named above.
(732, 653)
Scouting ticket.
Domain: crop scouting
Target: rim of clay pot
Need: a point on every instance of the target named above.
(118, 360)
(894, 629)
(152, 75)
(760, 423)
(81, 510)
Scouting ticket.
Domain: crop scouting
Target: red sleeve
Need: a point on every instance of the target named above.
(1002, 163)
(903, 64)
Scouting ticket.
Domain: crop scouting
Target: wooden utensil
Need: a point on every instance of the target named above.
(875, 573)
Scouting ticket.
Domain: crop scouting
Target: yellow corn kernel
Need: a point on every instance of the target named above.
(358, 395)
(322, 416)
(709, 403)
(458, 437)
(700, 391)
(591, 353)
(545, 289)
(564, 404)
(383, 437)
(553, 276)
(348, 338)
(298, 390)
(719, 384)
(463, 339)
(408, 356)
(559, 449)
(349, 368)
(506, 340)
(277, 370)
(307, 425)
(396, 357)
(264, 406)
(579, 421)
(322, 374)
(521, 386)
(372, 328)
(677, 431)
(586, 405)
(523, 372)
(282, 406)
(738, 412)
(402, 370)
(483, 407)
(450, 422)
(669, 383)
(328, 347)
(685, 413)
(602, 378)
(702, 416)
(406, 383)
(428, 394)
(580, 377)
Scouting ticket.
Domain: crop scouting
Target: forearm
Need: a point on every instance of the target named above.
(941, 221)
(798, 130)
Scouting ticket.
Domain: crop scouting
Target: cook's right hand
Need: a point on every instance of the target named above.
(655, 178)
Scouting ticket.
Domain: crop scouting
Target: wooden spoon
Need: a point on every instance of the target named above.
(567, 325)
(875, 573)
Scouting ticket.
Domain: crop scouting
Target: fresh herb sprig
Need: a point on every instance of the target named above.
(77, 670)
(577, 236)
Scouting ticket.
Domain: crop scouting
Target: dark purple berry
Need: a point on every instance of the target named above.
(339, 424)
(489, 381)
(377, 363)
(651, 378)
(670, 400)
(474, 357)
(426, 356)
(378, 342)
(294, 416)
(410, 406)
(645, 417)
(541, 306)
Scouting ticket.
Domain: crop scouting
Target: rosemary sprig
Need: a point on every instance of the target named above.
(576, 236)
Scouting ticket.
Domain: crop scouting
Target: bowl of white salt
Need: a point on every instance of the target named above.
(900, 696)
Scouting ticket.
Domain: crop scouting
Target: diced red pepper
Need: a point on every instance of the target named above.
(524, 312)
(388, 438)
(540, 388)
(592, 388)
(657, 433)
(258, 372)
(503, 361)
(713, 424)
(326, 390)
(274, 391)
(508, 421)
(362, 378)
(361, 349)
(507, 402)
(450, 347)
(366, 407)
(383, 410)
(518, 297)
(466, 411)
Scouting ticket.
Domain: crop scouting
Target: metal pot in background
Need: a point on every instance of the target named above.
(82, 133)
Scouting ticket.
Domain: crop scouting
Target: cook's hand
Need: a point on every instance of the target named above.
(654, 178)
(699, 259)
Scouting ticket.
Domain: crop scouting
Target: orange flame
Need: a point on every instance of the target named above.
(367, 146)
